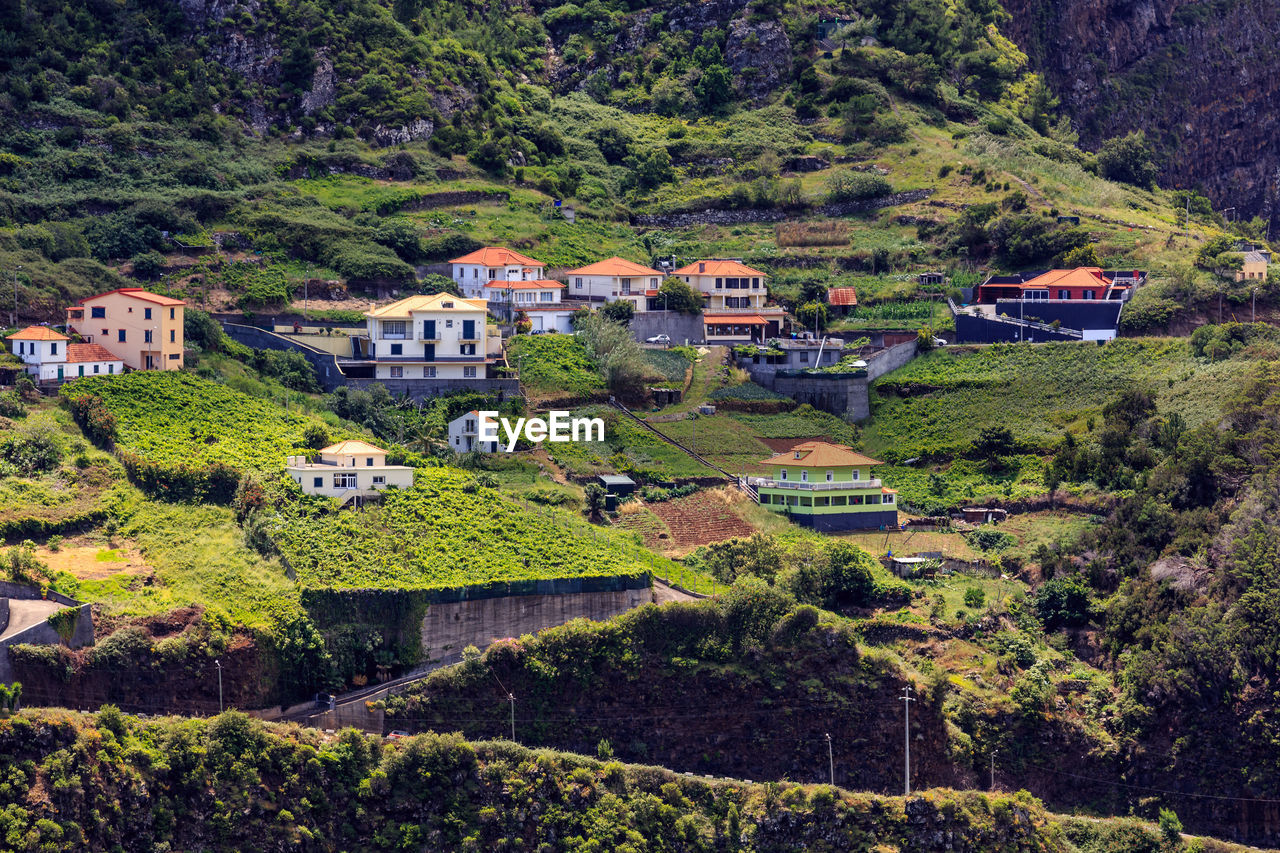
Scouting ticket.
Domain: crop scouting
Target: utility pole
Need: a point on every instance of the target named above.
(906, 700)
(831, 760)
(993, 770)
(693, 442)
(512, 698)
(218, 664)
(14, 319)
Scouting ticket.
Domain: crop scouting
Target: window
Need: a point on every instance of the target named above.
(806, 501)
(318, 482)
(467, 349)
(53, 349)
(653, 282)
(548, 296)
(120, 336)
(1035, 295)
(429, 330)
(97, 368)
(719, 283)
(469, 425)
(888, 499)
(1089, 294)
(379, 480)
(1064, 294)
(173, 313)
(804, 476)
(173, 336)
(173, 356)
(839, 500)
(111, 368)
(822, 501)
(146, 336)
(804, 356)
(784, 474)
(831, 475)
(82, 370)
(469, 329)
(493, 275)
(397, 373)
(344, 481)
(146, 313)
(98, 311)
(856, 474)
(397, 349)
(428, 373)
(626, 286)
(577, 284)
(755, 284)
(393, 328)
(468, 373)
(448, 324)
(368, 461)
(130, 309)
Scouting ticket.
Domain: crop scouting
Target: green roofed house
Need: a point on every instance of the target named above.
(828, 487)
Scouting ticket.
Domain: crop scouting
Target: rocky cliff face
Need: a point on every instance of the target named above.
(1199, 76)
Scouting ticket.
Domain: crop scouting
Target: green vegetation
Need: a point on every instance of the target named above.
(447, 531)
(554, 363)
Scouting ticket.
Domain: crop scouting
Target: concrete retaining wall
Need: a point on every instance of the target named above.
(44, 635)
(680, 327)
(449, 628)
(22, 592)
(842, 395)
(889, 360)
(325, 364)
(4, 614)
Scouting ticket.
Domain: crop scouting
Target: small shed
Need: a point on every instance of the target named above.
(984, 514)
(617, 484)
(932, 279)
(911, 567)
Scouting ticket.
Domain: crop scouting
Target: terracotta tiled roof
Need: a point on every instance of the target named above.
(90, 352)
(1078, 277)
(538, 284)
(352, 447)
(37, 333)
(434, 302)
(820, 454)
(842, 296)
(497, 256)
(734, 320)
(615, 266)
(136, 293)
(720, 268)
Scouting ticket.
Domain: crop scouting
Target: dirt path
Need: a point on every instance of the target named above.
(662, 594)
(90, 561)
(24, 614)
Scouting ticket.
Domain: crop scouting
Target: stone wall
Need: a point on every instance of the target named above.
(325, 364)
(43, 634)
(844, 395)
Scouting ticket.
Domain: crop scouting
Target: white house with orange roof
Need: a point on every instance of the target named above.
(142, 329)
(52, 357)
(349, 467)
(615, 279)
(440, 336)
(474, 271)
(464, 435)
(736, 298)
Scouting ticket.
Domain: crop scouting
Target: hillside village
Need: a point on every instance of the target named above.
(705, 427)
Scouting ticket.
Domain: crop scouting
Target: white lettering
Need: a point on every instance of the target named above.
(536, 430)
(588, 425)
(559, 425)
(488, 427)
(513, 435)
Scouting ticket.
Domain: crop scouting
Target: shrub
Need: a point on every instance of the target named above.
(1129, 160)
(856, 186)
(1063, 602)
(974, 597)
(93, 417)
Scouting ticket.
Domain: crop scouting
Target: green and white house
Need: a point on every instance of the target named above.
(828, 487)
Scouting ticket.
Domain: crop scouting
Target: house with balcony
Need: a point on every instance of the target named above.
(473, 272)
(735, 301)
(142, 329)
(615, 279)
(464, 435)
(440, 336)
(52, 357)
(347, 470)
(1084, 303)
(828, 487)
(542, 301)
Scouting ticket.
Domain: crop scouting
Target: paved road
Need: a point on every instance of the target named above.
(24, 614)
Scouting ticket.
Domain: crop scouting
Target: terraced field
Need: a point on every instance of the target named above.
(702, 518)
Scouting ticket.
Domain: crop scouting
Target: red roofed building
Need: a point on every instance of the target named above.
(841, 299)
(736, 300)
(51, 357)
(475, 270)
(1083, 283)
(613, 279)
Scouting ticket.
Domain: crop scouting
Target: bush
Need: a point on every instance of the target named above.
(1063, 602)
(856, 186)
(974, 597)
(1128, 160)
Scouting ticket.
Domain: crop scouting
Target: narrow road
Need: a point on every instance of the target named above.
(23, 614)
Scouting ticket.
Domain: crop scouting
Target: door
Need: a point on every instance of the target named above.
(429, 352)
(59, 373)
(468, 329)
(429, 330)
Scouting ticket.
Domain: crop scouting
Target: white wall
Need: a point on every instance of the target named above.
(392, 475)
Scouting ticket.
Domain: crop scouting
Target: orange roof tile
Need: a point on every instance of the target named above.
(90, 352)
(136, 293)
(37, 333)
(352, 446)
(539, 284)
(720, 268)
(734, 320)
(820, 454)
(1078, 277)
(842, 296)
(496, 256)
(615, 266)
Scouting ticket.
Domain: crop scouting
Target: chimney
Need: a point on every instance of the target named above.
(702, 266)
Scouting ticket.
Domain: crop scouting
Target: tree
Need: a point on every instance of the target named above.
(436, 283)
(924, 339)
(679, 296)
(715, 88)
(1063, 601)
(808, 313)
(593, 498)
(646, 171)
(619, 311)
(1052, 479)
(1170, 826)
(315, 436)
(1081, 256)
(848, 185)
(993, 443)
(148, 265)
(1128, 159)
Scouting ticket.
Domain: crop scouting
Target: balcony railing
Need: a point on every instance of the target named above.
(819, 486)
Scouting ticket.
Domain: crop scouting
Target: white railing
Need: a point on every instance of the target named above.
(820, 486)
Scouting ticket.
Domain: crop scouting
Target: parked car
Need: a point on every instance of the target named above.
(396, 735)
(538, 332)
(665, 340)
(939, 342)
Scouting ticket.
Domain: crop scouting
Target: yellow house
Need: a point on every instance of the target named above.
(144, 330)
(1254, 267)
(348, 468)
